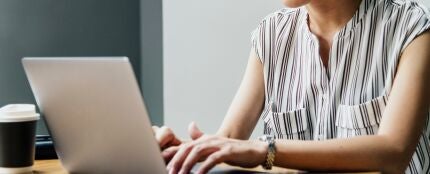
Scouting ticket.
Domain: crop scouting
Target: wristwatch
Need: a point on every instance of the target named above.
(271, 151)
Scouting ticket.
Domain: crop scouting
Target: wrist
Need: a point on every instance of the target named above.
(261, 149)
(270, 152)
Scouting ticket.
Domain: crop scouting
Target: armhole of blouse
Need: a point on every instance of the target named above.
(420, 26)
(255, 41)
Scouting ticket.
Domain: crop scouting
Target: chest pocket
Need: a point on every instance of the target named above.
(361, 119)
(290, 125)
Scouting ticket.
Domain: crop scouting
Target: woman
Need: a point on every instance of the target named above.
(351, 75)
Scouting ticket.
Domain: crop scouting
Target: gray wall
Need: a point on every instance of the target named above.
(427, 3)
(152, 57)
(77, 28)
(206, 47)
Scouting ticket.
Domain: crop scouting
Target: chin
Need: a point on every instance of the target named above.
(295, 3)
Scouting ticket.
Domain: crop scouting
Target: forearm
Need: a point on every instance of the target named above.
(365, 153)
(242, 115)
(237, 129)
(240, 119)
(245, 110)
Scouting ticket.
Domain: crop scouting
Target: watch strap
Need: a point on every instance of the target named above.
(271, 151)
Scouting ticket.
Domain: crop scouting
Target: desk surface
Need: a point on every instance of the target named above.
(54, 167)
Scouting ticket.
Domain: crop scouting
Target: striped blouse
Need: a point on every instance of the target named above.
(305, 100)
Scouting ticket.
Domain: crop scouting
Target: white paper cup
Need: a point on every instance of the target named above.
(17, 138)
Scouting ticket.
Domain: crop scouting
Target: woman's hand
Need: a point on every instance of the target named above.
(213, 150)
(168, 141)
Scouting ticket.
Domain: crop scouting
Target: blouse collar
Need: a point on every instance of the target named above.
(363, 9)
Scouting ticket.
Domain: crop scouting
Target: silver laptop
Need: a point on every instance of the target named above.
(95, 114)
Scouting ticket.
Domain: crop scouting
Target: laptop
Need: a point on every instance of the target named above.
(96, 115)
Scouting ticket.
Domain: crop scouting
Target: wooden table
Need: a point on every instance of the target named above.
(48, 166)
(54, 167)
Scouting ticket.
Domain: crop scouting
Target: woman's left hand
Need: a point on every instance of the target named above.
(213, 150)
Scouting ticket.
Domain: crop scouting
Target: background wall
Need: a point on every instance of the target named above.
(151, 32)
(206, 47)
(81, 28)
(427, 3)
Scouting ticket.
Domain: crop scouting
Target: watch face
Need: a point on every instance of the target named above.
(263, 138)
(266, 138)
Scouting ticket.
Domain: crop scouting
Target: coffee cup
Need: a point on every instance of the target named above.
(17, 138)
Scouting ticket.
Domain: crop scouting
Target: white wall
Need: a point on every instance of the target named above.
(427, 2)
(206, 47)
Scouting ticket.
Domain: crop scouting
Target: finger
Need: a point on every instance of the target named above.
(179, 157)
(198, 152)
(169, 153)
(155, 129)
(164, 135)
(194, 131)
(211, 161)
(166, 138)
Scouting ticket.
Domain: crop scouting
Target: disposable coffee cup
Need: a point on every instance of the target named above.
(17, 138)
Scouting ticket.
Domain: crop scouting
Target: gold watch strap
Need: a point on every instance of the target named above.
(271, 151)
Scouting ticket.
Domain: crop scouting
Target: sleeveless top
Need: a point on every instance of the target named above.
(304, 100)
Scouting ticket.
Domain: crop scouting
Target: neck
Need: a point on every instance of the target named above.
(329, 16)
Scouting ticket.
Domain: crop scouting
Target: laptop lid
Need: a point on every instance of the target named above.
(95, 114)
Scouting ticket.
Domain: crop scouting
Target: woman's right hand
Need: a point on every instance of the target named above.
(169, 142)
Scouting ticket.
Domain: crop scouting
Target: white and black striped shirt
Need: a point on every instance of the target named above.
(305, 100)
